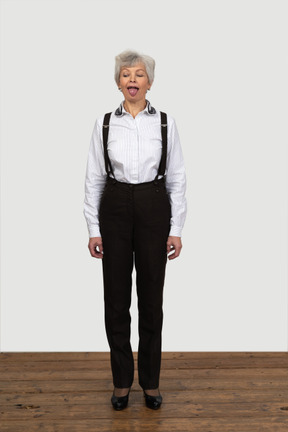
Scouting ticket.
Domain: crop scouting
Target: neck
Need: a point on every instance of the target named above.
(134, 107)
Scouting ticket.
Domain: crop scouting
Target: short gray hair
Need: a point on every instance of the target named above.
(130, 58)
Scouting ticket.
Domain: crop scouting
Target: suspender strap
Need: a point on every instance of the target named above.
(108, 166)
(162, 165)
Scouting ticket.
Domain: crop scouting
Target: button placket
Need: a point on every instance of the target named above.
(134, 152)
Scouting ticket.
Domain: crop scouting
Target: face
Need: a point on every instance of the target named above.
(134, 82)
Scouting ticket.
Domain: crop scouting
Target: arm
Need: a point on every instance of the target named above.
(176, 187)
(94, 184)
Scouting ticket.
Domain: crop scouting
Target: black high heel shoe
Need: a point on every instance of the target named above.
(153, 402)
(120, 402)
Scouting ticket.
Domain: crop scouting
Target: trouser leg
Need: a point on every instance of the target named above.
(152, 225)
(117, 262)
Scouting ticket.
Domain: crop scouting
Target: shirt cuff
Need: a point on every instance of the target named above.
(175, 231)
(94, 231)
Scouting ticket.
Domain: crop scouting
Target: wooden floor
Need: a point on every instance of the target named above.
(202, 391)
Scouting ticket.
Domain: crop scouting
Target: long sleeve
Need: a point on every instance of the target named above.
(176, 182)
(94, 181)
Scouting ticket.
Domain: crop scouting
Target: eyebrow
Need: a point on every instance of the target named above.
(136, 70)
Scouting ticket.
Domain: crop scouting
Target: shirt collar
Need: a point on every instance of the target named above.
(148, 109)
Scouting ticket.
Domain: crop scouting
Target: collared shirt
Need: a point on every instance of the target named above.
(135, 148)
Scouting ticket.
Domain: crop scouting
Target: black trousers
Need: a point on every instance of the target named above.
(134, 224)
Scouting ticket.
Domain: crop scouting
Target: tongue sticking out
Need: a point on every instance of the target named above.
(133, 91)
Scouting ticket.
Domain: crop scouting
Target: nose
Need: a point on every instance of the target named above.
(133, 77)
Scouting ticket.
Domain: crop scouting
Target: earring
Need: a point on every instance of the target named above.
(119, 88)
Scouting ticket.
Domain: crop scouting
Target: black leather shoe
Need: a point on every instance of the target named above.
(153, 402)
(120, 402)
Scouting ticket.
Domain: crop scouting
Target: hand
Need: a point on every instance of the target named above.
(95, 247)
(174, 244)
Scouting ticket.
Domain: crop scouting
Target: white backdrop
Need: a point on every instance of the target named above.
(221, 72)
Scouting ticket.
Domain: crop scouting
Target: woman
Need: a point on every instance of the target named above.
(135, 209)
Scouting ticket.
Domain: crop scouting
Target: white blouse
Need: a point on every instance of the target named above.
(134, 148)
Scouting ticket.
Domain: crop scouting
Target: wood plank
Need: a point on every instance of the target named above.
(54, 386)
(191, 410)
(152, 424)
(166, 355)
(191, 363)
(65, 371)
(165, 364)
(184, 396)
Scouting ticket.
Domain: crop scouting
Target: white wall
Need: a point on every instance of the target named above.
(221, 72)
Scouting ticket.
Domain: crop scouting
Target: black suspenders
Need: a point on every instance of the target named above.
(164, 128)
(162, 165)
(108, 165)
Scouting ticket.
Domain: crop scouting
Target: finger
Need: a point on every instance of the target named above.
(96, 250)
(172, 256)
(171, 251)
(93, 252)
(98, 255)
(176, 253)
(170, 247)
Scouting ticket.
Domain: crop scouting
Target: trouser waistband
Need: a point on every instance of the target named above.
(160, 182)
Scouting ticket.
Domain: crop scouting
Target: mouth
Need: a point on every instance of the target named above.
(132, 90)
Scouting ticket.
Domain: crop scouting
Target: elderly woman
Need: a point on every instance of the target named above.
(135, 209)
